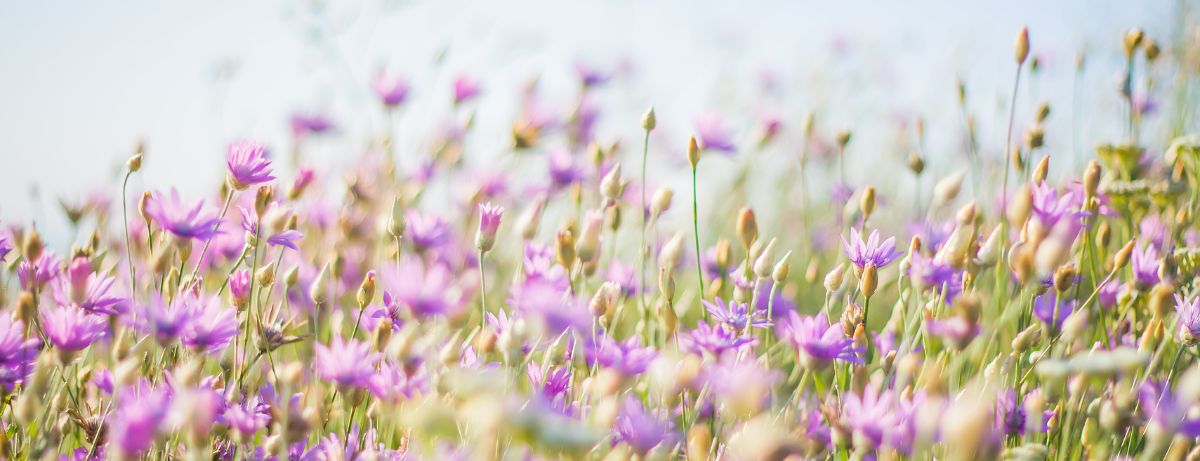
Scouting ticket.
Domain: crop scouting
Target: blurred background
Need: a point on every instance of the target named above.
(85, 82)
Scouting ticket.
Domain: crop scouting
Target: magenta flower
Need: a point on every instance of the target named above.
(424, 290)
(713, 135)
(17, 354)
(426, 230)
(211, 326)
(287, 238)
(871, 251)
(245, 418)
(489, 224)
(249, 164)
(557, 311)
(736, 315)
(305, 124)
(172, 215)
(89, 291)
(642, 431)
(1144, 264)
(715, 341)
(397, 382)
(465, 89)
(817, 341)
(627, 357)
(1189, 317)
(239, 287)
(346, 363)
(1051, 310)
(72, 329)
(589, 76)
(166, 321)
(41, 271)
(5, 247)
(139, 416)
(392, 92)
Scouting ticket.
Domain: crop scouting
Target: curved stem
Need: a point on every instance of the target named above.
(207, 242)
(128, 246)
(696, 228)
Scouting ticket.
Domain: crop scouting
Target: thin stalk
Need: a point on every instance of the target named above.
(128, 246)
(208, 241)
(642, 248)
(696, 228)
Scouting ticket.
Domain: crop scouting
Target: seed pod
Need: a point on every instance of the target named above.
(649, 120)
(1091, 179)
(869, 281)
(834, 278)
(588, 246)
(1035, 138)
(866, 203)
(843, 138)
(1043, 111)
(1064, 277)
(1020, 206)
(915, 163)
(661, 202)
(317, 292)
(765, 261)
(1040, 171)
(693, 152)
(1161, 301)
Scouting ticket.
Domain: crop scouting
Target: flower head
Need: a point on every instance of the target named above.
(1144, 264)
(1189, 317)
(627, 357)
(871, 251)
(72, 329)
(640, 430)
(817, 341)
(172, 215)
(715, 341)
(465, 89)
(212, 325)
(346, 363)
(736, 315)
(249, 164)
(138, 418)
(426, 291)
(489, 224)
(1052, 311)
(713, 135)
(392, 92)
(17, 354)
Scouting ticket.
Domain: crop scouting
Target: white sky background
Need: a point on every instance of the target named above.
(83, 81)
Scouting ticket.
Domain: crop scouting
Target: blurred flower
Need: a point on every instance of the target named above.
(245, 418)
(1189, 317)
(425, 230)
(346, 363)
(626, 357)
(641, 431)
(172, 215)
(817, 341)
(139, 416)
(392, 92)
(714, 340)
(871, 251)
(555, 310)
(165, 321)
(1144, 264)
(43, 270)
(72, 329)
(736, 315)
(249, 164)
(306, 124)
(211, 325)
(424, 290)
(713, 135)
(17, 354)
(1051, 311)
(394, 383)
(465, 89)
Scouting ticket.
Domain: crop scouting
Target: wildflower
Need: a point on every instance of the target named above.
(563, 170)
(211, 326)
(489, 224)
(5, 247)
(71, 329)
(817, 342)
(137, 420)
(166, 321)
(743, 385)
(1011, 416)
(245, 418)
(426, 231)
(871, 251)
(553, 385)
(715, 341)
(394, 382)
(346, 363)
(306, 124)
(1052, 311)
(869, 415)
(713, 135)
(287, 238)
(1189, 317)
(736, 315)
(1049, 208)
(465, 89)
(172, 215)
(589, 76)
(89, 291)
(249, 164)
(425, 291)
(627, 357)
(17, 354)
(391, 92)
(930, 273)
(956, 331)
(239, 287)
(555, 310)
(640, 430)
(44, 269)
(1144, 265)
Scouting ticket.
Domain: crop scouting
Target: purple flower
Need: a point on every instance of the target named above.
(715, 341)
(930, 274)
(1189, 317)
(627, 357)
(71, 329)
(870, 415)
(139, 416)
(489, 224)
(540, 264)
(239, 287)
(553, 385)
(166, 321)
(1165, 408)
(625, 276)
(17, 354)
(736, 315)
(211, 326)
(589, 76)
(713, 135)
(391, 92)
(394, 383)
(5, 247)
(1144, 264)
(245, 418)
(1049, 207)
(347, 363)
(871, 251)
(563, 170)
(556, 310)
(41, 271)
(249, 164)
(424, 290)
(817, 341)
(426, 230)
(465, 89)
(640, 430)
(742, 384)
(956, 331)
(1011, 416)
(1052, 311)
(305, 124)
(89, 291)
(172, 215)
(287, 238)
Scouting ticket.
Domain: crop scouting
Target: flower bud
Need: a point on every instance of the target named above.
(366, 291)
(747, 227)
(672, 252)
(780, 273)
(693, 152)
(565, 248)
(588, 246)
(317, 292)
(869, 281)
(611, 185)
(1133, 40)
(396, 222)
(1122, 256)
(765, 261)
(531, 218)
(1091, 179)
(649, 120)
(866, 203)
(834, 278)
(134, 164)
(1022, 46)
(1040, 171)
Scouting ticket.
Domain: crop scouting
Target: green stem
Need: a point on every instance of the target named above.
(696, 227)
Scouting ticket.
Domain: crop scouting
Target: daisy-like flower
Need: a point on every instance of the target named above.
(1011, 416)
(395, 382)
(736, 315)
(245, 418)
(465, 89)
(817, 341)
(564, 170)
(425, 230)
(1144, 264)
(17, 354)
(642, 431)
(211, 326)
(553, 385)
(166, 321)
(306, 124)
(870, 416)
(553, 309)
(627, 357)
(41, 271)
(249, 164)
(742, 385)
(71, 329)
(1048, 207)
(346, 363)
(871, 251)
(182, 221)
(90, 291)
(713, 135)
(426, 291)
(715, 341)
(930, 274)
(1052, 311)
(139, 416)
(239, 287)
(1189, 318)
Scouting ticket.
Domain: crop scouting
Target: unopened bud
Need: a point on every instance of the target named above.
(747, 227)
(1022, 46)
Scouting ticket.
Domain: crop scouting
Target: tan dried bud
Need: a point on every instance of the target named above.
(1026, 339)
(1043, 111)
(318, 292)
(672, 252)
(366, 291)
(649, 120)
(666, 283)
(724, 253)
(834, 278)
(1064, 277)
(32, 245)
(915, 163)
(843, 138)
(782, 268)
(262, 198)
(869, 281)
(1020, 206)
(611, 186)
(529, 220)
(747, 227)
(763, 264)
(693, 152)
(1035, 138)
(1091, 179)
(565, 248)
(1040, 171)
(852, 316)
(396, 222)
(661, 201)
(1133, 40)
(588, 246)
(134, 164)
(1161, 302)
(1122, 256)
(1021, 48)
(866, 203)
(266, 275)
(1152, 50)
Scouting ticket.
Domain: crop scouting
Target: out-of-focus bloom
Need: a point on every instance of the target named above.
(553, 385)
(346, 363)
(172, 215)
(1166, 409)
(166, 321)
(245, 418)
(563, 170)
(736, 315)
(929, 273)
(1011, 416)
(211, 326)
(956, 331)
(249, 164)
(5, 247)
(640, 430)
(89, 291)
(392, 92)
(872, 251)
(743, 385)
(880, 419)
(817, 341)
(43, 270)
(1052, 311)
(137, 420)
(306, 124)
(465, 89)
(426, 230)
(71, 329)
(626, 357)
(287, 238)
(624, 276)
(1049, 207)
(424, 291)
(539, 264)
(1189, 317)
(713, 135)
(239, 287)
(555, 310)
(715, 341)
(489, 225)
(17, 354)
(394, 383)
(589, 76)
(1144, 264)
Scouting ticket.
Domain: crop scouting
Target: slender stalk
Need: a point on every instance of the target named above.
(482, 293)
(696, 227)
(642, 248)
(208, 241)
(128, 245)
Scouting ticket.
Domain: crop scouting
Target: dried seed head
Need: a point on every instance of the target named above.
(1122, 256)
(866, 203)
(835, 277)
(763, 264)
(588, 247)
(1040, 171)
(565, 248)
(666, 283)
(1133, 40)
(1035, 137)
(1021, 205)
(318, 292)
(611, 186)
(1064, 277)
(747, 227)
(1152, 50)
(1022, 46)
(693, 152)
(915, 163)
(843, 138)
(780, 273)
(946, 190)
(869, 281)
(1091, 179)
(31, 246)
(661, 202)
(851, 318)
(1043, 111)
(672, 252)
(649, 120)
